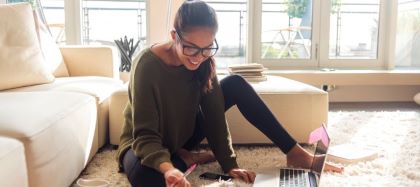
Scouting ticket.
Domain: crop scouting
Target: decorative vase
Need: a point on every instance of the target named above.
(125, 76)
(295, 22)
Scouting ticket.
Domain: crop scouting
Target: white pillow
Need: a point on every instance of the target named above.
(50, 50)
(21, 61)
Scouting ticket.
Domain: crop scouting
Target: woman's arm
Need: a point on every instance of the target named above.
(147, 142)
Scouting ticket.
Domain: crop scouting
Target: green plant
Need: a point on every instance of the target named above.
(127, 49)
(335, 6)
(296, 8)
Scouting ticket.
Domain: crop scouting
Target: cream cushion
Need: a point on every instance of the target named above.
(117, 103)
(417, 98)
(21, 61)
(12, 161)
(98, 87)
(57, 130)
(50, 50)
(299, 107)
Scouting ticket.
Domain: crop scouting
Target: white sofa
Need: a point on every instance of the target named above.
(53, 115)
(13, 170)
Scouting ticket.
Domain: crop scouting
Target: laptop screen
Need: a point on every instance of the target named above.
(320, 150)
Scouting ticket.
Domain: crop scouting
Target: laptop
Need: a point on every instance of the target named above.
(293, 177)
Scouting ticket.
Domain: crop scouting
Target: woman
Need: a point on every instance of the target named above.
(175, 101)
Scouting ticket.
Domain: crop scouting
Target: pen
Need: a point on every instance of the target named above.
(190, 169)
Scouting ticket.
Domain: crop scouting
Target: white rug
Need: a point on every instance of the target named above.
(394, 133)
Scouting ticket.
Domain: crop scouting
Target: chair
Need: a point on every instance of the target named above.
(289, 36)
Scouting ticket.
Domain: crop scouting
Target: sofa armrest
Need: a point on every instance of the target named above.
(91, 60)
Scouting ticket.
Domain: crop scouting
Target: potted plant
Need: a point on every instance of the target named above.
(127, 49)
(295, 10)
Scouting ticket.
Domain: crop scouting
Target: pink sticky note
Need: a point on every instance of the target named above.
(319, 134)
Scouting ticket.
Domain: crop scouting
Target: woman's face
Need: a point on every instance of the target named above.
(195, 46)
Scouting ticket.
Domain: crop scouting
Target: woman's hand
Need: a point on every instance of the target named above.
(175, 178)
(243, 174)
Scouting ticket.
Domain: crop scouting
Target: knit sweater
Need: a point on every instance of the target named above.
(160, 115)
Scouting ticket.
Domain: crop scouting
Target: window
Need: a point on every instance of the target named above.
(354, 29)
(232, 31)
(286, 29)
(101, 21)
(287, 34)
(105, 21)
(408, 35)
(54, 15)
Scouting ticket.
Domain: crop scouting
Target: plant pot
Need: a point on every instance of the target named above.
(125, 76)
(295, 22)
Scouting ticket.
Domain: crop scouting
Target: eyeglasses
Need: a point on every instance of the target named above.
(194, 50)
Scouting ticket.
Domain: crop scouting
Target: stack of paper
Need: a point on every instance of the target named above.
(251, 72)
(348, 153)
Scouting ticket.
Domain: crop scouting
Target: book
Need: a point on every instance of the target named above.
(246, 66)
(349, 153)
(251, 72)
(255, 78)
(247, 73)
(246, 70)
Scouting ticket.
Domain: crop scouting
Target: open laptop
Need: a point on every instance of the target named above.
(290, 177)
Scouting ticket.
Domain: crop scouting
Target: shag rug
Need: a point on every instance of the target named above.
(392, 131)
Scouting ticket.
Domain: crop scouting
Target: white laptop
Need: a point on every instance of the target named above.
(290, 177)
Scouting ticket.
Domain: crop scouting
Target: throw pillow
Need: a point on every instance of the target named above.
(21, 61)
(50, 50)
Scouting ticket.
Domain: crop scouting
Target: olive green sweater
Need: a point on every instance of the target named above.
(161, 114)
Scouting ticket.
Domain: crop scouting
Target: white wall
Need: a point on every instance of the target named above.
(2, 1)
(157, 16)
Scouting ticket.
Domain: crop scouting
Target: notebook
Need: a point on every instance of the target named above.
(289, 177)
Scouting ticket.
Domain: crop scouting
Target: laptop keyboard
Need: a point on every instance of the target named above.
(292, 178)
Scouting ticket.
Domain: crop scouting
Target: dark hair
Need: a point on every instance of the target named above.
(196, 13)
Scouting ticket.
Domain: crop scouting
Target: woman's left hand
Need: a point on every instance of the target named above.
(243, 174)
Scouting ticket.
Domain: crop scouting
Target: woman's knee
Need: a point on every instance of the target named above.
(234, 78)
(232, 81)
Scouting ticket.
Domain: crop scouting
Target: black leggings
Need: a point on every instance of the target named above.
(236, 91)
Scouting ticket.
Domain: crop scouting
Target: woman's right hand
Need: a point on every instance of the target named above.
(175, 178)
(243, 174)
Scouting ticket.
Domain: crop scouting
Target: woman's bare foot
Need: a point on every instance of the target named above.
(300, 158)
(317, 166)
(203, 157)
(196, 157)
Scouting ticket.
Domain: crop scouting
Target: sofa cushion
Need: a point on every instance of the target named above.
(57, 130)
(12, 161)
(21, 62)
(299, 107)
(50, 50)
(99, 87)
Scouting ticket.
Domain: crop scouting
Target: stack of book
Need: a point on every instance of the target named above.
(251, 72)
